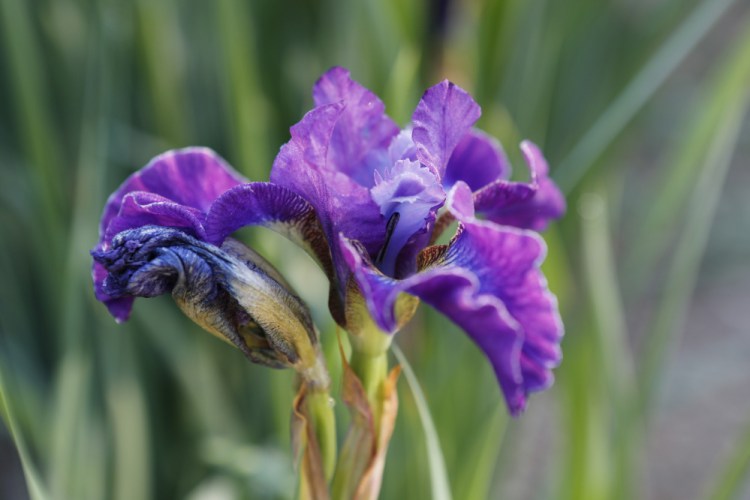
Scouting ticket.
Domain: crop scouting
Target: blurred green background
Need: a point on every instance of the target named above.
(639, 106)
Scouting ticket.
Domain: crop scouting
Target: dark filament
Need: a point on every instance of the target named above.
(389, 228)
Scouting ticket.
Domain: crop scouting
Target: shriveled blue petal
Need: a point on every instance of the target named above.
(137, 209)
(526, 205)
(362, 126)
(272, 206)
(478, 160)
(408, 195)
(443, 116)
(488, 281)
(119, 307)
(342, 205)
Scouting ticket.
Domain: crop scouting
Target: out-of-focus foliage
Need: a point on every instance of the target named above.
(639, 106)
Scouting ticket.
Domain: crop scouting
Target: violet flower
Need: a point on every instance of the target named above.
(378, 191)
(367, 200)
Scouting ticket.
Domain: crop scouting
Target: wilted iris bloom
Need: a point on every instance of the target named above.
(368, 200)
(161, 232)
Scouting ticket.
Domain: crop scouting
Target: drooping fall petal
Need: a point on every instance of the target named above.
(487, 280)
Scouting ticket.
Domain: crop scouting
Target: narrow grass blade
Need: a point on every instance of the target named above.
(496, 22)
(685, 263)
(42, 155)
(638, 91)
(438, 472)
(244, 104)
(163, 57)
(127, 419)
(736, 473)
(37, 491)
(476, 476)
(615, 359)
(604, 290)
(586, 459)
(27, 75)
(670, 194)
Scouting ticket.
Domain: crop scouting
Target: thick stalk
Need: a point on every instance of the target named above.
(372, 370)
(320, 410)
(369, 363)
(314, 428)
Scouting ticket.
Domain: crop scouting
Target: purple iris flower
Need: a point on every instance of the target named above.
(378, 192)
(367, 200)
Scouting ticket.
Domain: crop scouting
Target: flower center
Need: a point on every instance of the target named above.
(408, 195)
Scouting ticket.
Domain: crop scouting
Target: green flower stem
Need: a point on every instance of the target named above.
(369, 362)
(320, 411)
(372, 370)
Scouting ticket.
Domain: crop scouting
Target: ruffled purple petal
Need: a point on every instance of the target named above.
(489, 283)
(271, 206)
(193, 177)
(525, 205)
(478, 160)
(140, 208)
(361, 128)
(501, 197)
(443, 116)
(342, 205)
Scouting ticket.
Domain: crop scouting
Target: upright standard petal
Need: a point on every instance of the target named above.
(443, 116)
(478, 160)
(342, 205)
(487, 281)
(362, 126)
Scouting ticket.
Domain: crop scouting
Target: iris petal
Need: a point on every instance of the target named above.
(271, 206)
(193, 177)
(342, 205)
(140, 208)
(443, 116)
(361, 127)
(175, 189)
(478, 160)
